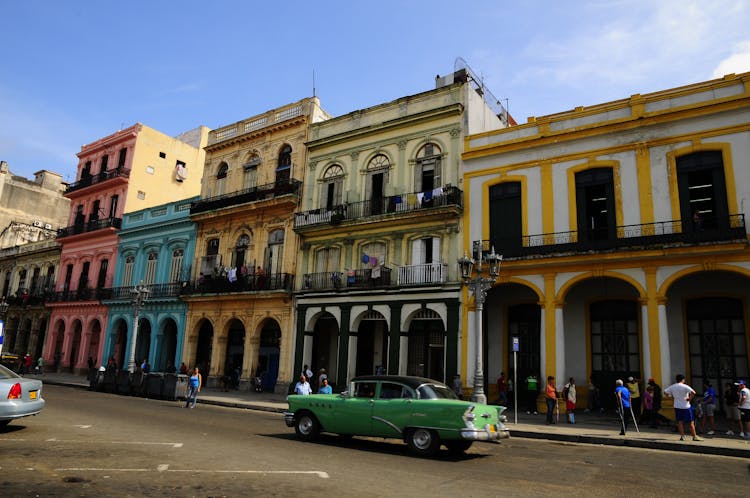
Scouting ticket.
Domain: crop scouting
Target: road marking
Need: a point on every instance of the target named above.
(83, 426)
(140, 443)
(164, 468)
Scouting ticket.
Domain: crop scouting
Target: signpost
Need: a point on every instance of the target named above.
(515, 379)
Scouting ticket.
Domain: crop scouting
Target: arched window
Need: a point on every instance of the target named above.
(221, 178)
(153, 257)
(273, 257)
(175, 268)
(427, 174)
(250, 172)
(377, 179)
(127, 273)
(240, 250)
(284, 168)
(333, 182)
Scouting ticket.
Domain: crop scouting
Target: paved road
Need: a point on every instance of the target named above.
(95, 444)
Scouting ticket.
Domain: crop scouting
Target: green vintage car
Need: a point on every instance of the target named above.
(424, 413)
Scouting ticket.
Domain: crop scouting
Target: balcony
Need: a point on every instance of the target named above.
(426, 274)
(83, 294)
(349, 280)
(392, 205)
(156, 291)
(98, 178)
(254, 194)
(89, 226)
(643, 236)
(244, 283)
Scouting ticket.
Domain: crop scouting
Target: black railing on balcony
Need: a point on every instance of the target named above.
(395, 204)
(711, 229)
(243, 283)
(259, 193)
(155, 291)
(30, 297)
(98, 178)
(368, 278)
(89, 226)
(84, 294)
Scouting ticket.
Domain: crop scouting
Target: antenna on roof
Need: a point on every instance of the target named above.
(313, 82)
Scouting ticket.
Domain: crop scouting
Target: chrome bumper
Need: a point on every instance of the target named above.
(289, 419)
(488, 433)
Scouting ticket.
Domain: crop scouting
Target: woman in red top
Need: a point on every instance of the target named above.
(550, 396)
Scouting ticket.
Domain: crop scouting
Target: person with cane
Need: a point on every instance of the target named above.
(623, 403)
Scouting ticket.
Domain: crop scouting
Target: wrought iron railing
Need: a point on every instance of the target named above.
(84, 294)
(711, 229)
(425, 274)
(155, 291)
(395, 204)
(89, 226)
(259, 193)
(367, 278)
(242, 283)
(98, 178)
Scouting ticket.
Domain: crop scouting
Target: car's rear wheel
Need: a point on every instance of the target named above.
(306, 426)
(458, 447)
(423, 442)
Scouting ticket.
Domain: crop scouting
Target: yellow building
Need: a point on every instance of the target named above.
(622, 227)
(240, 318)
(380, 228)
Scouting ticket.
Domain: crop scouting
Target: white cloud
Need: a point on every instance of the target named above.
(738, 62)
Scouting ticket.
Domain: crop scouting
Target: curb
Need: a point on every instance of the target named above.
(685, 446)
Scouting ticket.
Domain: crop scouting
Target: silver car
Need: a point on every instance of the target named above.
(19, 397)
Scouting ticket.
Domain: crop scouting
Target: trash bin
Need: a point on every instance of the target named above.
(181, 387)
(154, 381)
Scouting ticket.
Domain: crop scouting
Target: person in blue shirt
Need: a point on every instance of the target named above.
(623, 404)
(324, 387)
(709, 407)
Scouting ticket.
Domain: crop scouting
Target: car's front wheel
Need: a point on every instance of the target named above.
(423, 442)
(306, 426)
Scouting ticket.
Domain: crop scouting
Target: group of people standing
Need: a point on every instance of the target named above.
(304, 388)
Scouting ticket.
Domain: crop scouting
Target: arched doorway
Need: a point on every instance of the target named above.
(41, 336)
(93, 346)
(57, 344)
(325, 342)
(426, 346)
(372, 344)
(235, 353)
(268, 354)
(75, 345)
(168, 347)
(120, 343)
(143, 341)
(204, 347)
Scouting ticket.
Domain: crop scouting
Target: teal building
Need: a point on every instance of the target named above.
(156, 247)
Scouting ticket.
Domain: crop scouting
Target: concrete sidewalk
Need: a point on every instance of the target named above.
(590, 428)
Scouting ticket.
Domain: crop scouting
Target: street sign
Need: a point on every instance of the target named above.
(515, 344)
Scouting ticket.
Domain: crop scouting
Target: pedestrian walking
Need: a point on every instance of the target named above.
(732, 399)
(40, 365)
(194, 387)
(658, 417)
(550, 397)
(744, 408)
(635, 395)
(709, 407)
(622, 394)
(593, 398)
(682, 395)
(324, 387)
(647, 415)
(569, 395)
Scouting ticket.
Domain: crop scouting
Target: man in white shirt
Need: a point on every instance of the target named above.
(744, 407)
(682, 394)
(302, 387)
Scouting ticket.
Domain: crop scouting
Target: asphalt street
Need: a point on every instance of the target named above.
(96, 444)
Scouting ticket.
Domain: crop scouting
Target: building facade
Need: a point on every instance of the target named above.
(240, 311)
(133, 169)
(379, 227)
(38, 204)
(623, 231)
(156, 247)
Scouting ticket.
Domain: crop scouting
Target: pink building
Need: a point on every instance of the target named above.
(133, 169)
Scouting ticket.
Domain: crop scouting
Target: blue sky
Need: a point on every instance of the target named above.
(73, 71)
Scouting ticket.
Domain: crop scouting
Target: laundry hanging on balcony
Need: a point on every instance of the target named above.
(376, 272)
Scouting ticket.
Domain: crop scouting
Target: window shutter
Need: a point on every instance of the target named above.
(417, 252)
(437, 179)
(418, 176)
(435, 250)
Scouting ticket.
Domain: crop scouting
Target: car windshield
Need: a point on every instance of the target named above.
(6, 373)
(435, 391)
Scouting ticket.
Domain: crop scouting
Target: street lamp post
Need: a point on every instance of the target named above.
(479, 285)
(139, 293)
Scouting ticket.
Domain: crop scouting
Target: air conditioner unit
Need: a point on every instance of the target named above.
(38, 224)
(48, 226)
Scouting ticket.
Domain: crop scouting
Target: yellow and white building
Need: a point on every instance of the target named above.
(623, 231)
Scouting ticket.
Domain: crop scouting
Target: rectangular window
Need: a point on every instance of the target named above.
(175, 269)
(122, 157)
(151, 268)
(113, 206)
(101, 281)
(127, 274)
(105, 160)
